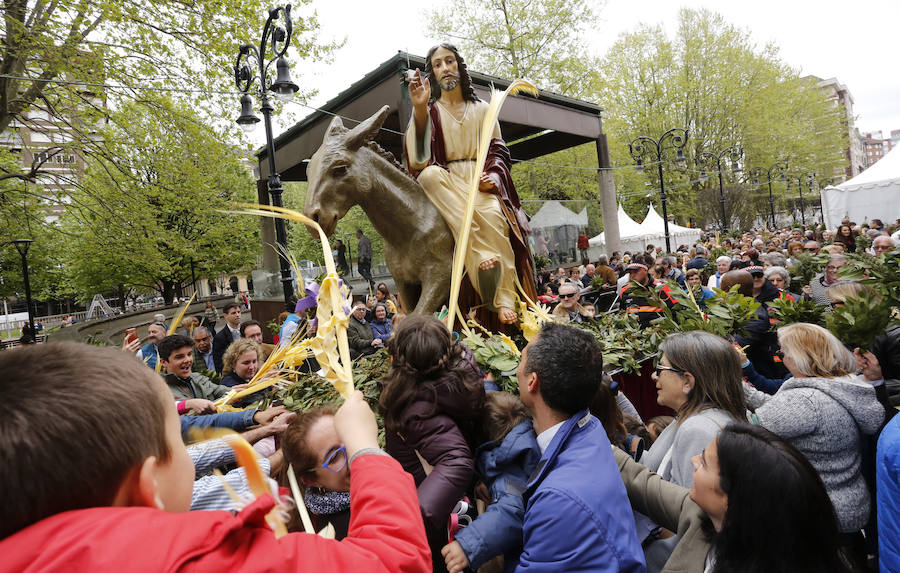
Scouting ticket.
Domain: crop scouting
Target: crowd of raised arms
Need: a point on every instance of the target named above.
(781, 453)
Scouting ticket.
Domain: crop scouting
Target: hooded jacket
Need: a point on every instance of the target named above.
(825, 418)
(505, 468)
(432, 447)
(142, 539)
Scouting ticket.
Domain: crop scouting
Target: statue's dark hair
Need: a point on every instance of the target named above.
(465, 82)
(797, 534)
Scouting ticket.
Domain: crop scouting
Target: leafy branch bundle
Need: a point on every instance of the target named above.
(623, 341)
(725, 314)
(806, 267)
(859, 320)
(881, 273)
(789, 311)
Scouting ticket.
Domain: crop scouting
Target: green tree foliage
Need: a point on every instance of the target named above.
(711, 78)
(538, 40)
(306, 246)
(143, 219)
(67, 48)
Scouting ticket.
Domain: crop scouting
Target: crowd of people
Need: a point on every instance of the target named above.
(781, 454)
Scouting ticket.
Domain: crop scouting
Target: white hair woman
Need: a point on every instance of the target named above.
(723, 263)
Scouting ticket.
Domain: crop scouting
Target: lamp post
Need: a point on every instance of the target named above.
(822, 184)
(276, 37)
(641, 146)
(810, 176)
(22, 245)
(735, 152)
(779, 167)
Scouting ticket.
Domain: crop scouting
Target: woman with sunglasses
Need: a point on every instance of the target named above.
(431, 402)
(311, 445)
(698, 375)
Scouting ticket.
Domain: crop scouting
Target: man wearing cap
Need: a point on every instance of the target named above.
(763, 291)
(759, 338)
(634, 303)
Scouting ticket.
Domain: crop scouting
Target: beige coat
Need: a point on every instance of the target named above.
(561, 315)
(670, 506)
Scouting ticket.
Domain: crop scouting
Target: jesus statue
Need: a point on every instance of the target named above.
(441, 148)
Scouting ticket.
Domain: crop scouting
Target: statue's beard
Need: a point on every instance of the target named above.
(449, 83)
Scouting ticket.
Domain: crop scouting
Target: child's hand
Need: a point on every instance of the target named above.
(454, 557)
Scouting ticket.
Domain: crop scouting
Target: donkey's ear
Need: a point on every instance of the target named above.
(336, 127)
(366, 131)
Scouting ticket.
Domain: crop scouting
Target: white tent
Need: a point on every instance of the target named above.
(654, 229)
(630, 233)
(873, 193)
(559, 226)
(554, 214)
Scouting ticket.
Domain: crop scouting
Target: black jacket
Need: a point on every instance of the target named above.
(886, 349)
(221, 341)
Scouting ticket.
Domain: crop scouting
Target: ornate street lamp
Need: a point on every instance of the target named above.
(777, 168)
(810, 177)
(276, 37)
(22, 245)
(642, 146)
(735, 152)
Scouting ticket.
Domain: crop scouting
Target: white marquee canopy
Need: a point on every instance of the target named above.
(874, 193)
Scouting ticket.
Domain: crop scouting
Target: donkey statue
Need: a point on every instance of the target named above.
(350, 169)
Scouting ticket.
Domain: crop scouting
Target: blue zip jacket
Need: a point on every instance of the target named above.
(382, 330)
(577, 514)
(887, 471)
(504, 467)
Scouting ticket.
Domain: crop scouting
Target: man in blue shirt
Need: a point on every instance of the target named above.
(577, 514)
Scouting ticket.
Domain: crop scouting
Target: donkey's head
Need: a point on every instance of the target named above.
(338, 175)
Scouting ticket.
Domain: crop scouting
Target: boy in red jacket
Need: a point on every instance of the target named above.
(96, 478)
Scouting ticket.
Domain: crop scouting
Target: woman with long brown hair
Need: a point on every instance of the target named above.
(430, 400)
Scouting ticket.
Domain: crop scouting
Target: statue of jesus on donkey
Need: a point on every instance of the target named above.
(419, 216)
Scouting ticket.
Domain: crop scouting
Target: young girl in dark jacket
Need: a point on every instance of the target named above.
(430, 400)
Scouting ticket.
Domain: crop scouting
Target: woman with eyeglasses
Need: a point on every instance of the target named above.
(430, 403)
(815, 290)
(698, 375)
(824, 411)
(319, 459)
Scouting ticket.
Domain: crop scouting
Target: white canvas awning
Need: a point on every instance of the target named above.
(555, 214)
(654, 226)
(874, 193)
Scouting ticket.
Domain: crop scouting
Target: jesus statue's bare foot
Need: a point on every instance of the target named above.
(488, 263)
(507, 315)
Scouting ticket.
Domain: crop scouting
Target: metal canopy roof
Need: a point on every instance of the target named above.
(531, 127)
